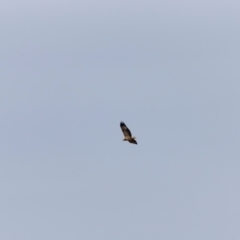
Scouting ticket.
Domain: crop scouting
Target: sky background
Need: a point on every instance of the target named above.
(70, 71)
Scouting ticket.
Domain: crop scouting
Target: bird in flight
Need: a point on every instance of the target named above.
(127, 134)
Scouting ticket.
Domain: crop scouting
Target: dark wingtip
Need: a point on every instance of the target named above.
(122, 123)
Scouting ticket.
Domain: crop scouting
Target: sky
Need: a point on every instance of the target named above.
(70, 71)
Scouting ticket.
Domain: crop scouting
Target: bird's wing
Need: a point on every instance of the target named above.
(133, 141)
(126, 131)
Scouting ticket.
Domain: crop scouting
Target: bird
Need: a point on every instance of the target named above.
(127, 133)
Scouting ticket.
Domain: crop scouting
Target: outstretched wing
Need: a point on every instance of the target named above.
(125, 130)
(133, 141)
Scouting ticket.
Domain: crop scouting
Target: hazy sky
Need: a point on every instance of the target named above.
(70, 71)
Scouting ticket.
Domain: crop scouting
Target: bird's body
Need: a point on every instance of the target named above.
(127, 134)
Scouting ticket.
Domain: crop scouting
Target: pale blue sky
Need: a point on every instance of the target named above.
(71, 71)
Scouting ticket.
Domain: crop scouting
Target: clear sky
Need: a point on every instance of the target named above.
(70, 71)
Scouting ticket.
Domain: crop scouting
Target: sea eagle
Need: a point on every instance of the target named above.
(127, 133)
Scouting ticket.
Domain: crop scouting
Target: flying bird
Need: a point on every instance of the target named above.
(127, 134)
